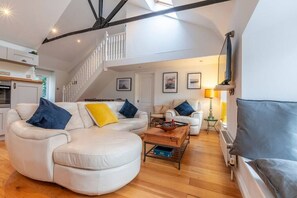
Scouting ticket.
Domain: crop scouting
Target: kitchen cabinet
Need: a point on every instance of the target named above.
(3, 52)
(25, 92)
(22, 57)
(3, 113)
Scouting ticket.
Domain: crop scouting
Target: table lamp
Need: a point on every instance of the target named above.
(210, 93)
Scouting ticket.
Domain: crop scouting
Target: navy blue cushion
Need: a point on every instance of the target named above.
(184, 109)
(128, 110)
(49, 116)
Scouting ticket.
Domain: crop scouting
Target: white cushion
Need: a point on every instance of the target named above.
(75, 122)
(98, 149)
(187, 119)
(26, 110)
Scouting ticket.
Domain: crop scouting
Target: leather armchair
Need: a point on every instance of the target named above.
(195, 119)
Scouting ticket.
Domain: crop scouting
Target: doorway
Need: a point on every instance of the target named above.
(144, 92)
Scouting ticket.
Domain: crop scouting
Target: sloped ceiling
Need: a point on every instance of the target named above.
(77, 16)
(31, 20)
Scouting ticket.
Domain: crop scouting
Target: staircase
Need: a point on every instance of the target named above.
(112, 47)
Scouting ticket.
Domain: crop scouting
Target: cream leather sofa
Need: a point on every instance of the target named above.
(83, 158)
(195, 119)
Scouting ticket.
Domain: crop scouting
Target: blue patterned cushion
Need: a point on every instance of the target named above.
(128, 110)
(49, 116)
(184, 109)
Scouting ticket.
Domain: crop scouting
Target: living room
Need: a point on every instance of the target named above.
(142, 55)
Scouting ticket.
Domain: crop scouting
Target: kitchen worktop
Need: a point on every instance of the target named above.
(20, 79)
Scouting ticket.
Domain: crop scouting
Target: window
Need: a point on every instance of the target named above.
(163, 5)
(48, 83)
(165, 2)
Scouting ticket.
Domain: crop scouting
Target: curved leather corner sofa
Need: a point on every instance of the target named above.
(83, 158)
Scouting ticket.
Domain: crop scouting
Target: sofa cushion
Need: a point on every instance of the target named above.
(266, 129)
(128, 124)
(98, 149)
(280, 176)
(128, 110)
(49, 116)
(26, 110)
(101, 114)
(87, 120)
(184, 109)
(194, 103)
(75, 122)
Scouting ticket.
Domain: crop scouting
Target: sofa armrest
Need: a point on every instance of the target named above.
(27, 131)
(12, 116)
(198, 115)
(170, 114)
(141, 115)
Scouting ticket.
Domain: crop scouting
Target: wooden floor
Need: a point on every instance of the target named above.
(203, 174)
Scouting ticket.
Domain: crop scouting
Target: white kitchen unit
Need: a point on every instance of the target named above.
(25, 92)
(3, 52)
(22, 57)
(3, 112)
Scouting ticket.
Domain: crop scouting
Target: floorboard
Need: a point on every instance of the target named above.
(203, 174)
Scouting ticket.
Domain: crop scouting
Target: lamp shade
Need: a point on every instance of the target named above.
(209, 93)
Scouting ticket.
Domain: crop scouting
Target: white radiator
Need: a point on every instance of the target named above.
(226, 142)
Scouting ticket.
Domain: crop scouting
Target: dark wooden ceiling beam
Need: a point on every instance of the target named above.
(93, 9)
(114, 12)
(141, 17)
(100, 11)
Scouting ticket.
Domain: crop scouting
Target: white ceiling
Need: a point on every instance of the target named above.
(31, 20)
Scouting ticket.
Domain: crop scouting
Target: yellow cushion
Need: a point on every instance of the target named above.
(101, 114)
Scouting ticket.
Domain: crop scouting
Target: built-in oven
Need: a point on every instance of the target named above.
(5, 88)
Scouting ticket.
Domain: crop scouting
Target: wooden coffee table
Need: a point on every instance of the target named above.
(178, 139)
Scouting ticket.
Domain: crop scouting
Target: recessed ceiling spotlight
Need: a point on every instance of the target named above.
(54, 30)
(78, 40)
(5, 11)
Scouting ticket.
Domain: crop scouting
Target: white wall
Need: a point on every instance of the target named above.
(209, 80)
(163, 35)
(242, 12)
(270, 52)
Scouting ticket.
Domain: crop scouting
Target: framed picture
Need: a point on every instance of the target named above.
(194, 80)
(124, 84)
(170, 82)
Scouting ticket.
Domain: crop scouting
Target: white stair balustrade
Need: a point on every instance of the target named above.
(113, 47)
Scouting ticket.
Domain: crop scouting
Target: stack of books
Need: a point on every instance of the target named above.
(163, 151)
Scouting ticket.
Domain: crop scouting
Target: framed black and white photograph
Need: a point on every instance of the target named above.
(124, 84)
(170, 82)
(194, 80)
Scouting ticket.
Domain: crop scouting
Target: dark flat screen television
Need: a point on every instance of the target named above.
(224, 61)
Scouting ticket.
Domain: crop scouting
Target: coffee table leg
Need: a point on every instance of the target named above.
(144, 152)
(179, 158)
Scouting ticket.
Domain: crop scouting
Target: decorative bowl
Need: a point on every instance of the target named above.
(167, 126)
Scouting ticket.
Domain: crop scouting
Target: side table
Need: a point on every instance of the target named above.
(211, 123)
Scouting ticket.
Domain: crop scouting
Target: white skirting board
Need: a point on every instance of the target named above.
(250, 184)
